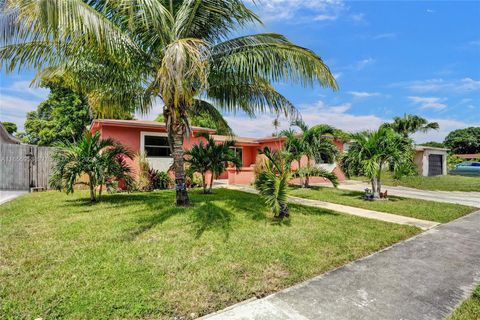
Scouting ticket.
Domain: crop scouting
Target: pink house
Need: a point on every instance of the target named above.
(150, 137)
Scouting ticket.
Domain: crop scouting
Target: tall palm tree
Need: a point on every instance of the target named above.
(124, 54)
(409, 124)
(99, 159)
(372, 151)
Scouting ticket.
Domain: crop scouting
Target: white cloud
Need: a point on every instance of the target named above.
(358, 18)
(337, 75)
(363, 94)
(15, 109)
(364, 63)
(434, 85)
(430, 11)
(325, 17)
(446, 126)
(299, 10)
(429, 102)
(388, 35)
(24, 88)
(317, 113)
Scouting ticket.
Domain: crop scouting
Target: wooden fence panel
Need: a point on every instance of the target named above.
(24, 166)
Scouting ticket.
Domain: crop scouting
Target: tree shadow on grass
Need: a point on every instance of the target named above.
(152, 220)
(209, 216)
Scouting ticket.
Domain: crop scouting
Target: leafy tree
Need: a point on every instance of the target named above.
(464, 140)
(125, 54)
(409, 124)
(211, 157)
(313, 143)
(101, 160)
(372, 151)
(433, 144)
(62, 117)
(10, 127)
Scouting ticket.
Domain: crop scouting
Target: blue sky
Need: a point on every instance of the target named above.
(389, 58)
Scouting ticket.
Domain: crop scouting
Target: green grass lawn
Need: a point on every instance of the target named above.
(441, 183)
(470, 309)
(421, 209)
(136, 256)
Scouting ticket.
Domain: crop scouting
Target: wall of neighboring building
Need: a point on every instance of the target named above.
(422, 160)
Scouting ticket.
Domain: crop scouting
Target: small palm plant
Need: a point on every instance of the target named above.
(211, 157)
(99, 159)
(314, 144)
(271, 180)
(373, 151)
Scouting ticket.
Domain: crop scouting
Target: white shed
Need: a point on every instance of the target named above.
(431, 161)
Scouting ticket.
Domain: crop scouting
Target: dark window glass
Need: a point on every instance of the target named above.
(156, 146)
(157, 152)
(156, 141)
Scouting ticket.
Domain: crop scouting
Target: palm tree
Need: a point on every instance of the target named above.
(124, 54)
(211, 157)
(372, 151)
(314, 144)
(409, 124)
(99, 159)
(272, 180)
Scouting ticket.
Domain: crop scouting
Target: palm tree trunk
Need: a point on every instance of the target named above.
(91, 184)
(284, 211)
(204, 185)
(176, 140)
(211, 183)
(307, 177)
(376, 195)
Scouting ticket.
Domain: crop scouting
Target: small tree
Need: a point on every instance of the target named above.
(372, 151)
(211, 157)
(99, 159)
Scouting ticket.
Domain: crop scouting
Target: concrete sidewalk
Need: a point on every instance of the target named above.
(466, 198)
(8, 195)
(388, 217)
(425, 277)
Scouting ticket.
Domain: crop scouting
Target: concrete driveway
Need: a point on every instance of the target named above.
(458, 197)
(7, 195)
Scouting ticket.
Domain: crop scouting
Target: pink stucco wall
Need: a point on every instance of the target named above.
(130, 137)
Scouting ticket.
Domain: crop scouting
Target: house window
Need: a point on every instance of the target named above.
(156, 147)
(239, 153)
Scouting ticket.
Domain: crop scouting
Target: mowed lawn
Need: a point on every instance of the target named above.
(416, 208)
(440, 183)
(470, 309)
(136, 256)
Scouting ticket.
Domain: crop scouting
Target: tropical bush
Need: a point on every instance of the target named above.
(271, 180)
(100, 160)
(373, 151)
(314, 143)
(210, 157)
(453, 161)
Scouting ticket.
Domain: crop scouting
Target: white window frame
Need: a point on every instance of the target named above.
(149, 133)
